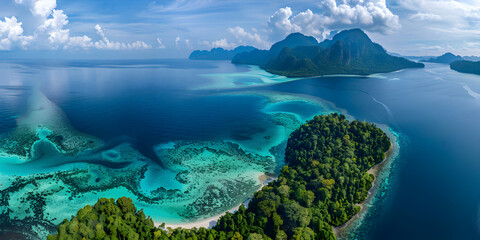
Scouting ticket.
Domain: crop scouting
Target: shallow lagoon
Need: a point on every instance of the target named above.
(181, 153)
(176, 135)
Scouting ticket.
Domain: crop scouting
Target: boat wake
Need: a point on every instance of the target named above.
(470, 92)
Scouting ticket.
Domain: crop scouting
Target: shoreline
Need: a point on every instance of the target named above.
(342, 231)
(209, 222)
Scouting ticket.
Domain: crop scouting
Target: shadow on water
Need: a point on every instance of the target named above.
(12, 235)
(148, 152)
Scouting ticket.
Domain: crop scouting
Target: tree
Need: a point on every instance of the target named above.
(326, 177)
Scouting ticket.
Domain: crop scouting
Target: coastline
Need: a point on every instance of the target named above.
(342, 231)
(209, 222)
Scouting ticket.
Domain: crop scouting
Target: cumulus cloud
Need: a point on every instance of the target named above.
(56, 22)
(221, 43)
(83, 42)
(280, 23)
(370, 15)
(309, 23)
(105, 43)
(40, 7)
(245, 37)
(11, 33)
(52, 32)
(44, 7)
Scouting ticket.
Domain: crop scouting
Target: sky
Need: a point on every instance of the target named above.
(174, 28)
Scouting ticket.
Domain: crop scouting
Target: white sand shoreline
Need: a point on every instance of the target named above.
(211, 221)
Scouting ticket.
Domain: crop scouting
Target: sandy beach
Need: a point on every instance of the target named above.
(263, 179)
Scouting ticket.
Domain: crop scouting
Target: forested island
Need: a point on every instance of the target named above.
(219, 53)
(466, 66)
(324, 181)
(349, 52)
(446, 58)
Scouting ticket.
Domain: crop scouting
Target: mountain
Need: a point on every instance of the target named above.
(255, 57)
(471, 58)
(219, 53)
(261, 57)
(464, 66)
(349, 52)
(291, 41)
(446, 58)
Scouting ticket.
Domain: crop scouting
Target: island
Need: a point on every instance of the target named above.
(446, 58)
(349, 52)
(322, 186)
(466, 66)
(261, 57)
(219, 53)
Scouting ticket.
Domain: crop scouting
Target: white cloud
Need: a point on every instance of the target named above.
(83, 42)
(11, 33)
(40, 7)
(437, 22)
(222, 43)
(58, 20)
(245, 38)
(52, 32)
(370, 15)
(456, 13)
(139, 45)
(309, 23)
(54, 27)
(160, 43)
(432, 48)
(280, 23)
(425, 17)
(44, 7)
(105, 43)
(241, 34)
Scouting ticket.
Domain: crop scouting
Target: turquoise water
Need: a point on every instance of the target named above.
(187, 140)
(431, 191)
(181, 152)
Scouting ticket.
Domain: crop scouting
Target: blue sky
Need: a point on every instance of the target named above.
(173, 28)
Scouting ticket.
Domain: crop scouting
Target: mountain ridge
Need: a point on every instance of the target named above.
(446, 58)
(219, 53)
(348, 52)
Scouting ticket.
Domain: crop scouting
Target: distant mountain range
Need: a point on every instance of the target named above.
(219, 53)
(471, 58)
(446, 58)
(464, 66)
(349, 52)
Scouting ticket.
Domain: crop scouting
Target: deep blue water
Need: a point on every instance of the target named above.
(145, 103)
(436, 186)
(435, 191)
